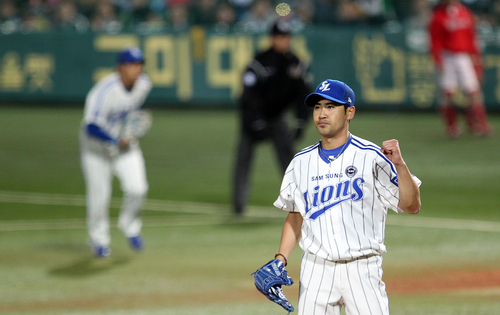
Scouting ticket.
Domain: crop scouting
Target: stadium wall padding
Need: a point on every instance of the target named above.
(386, 67)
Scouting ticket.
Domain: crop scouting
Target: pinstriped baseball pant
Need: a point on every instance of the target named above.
(326, 286)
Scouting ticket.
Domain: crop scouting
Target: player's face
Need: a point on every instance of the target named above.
(332, 119)
(129, 72)
(281, 43)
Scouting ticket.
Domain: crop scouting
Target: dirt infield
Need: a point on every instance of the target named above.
(443, 281)
(418, 283)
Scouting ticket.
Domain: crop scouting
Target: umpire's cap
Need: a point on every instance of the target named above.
(332, 90)
(130, 55)
(281, 28)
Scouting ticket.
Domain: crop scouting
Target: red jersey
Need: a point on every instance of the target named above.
(452, 28)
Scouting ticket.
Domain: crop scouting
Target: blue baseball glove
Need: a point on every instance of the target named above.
(269, 279)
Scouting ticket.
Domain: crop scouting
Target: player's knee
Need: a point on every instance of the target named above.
(139, 191)
(475, 97)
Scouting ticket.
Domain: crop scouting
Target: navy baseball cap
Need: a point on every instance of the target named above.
(281, 28)
(130, 55)
(332, 90)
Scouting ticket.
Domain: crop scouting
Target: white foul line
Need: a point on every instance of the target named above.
(79, 200)
(217, 214)
(442, 223)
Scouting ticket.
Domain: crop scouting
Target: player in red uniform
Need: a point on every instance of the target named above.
(457, 56)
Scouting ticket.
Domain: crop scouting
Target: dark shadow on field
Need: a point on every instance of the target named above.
(89, 266)
(66, 247)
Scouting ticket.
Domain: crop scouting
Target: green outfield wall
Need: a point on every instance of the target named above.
(386, 67)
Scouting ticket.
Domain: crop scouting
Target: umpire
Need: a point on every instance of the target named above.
(274, 82)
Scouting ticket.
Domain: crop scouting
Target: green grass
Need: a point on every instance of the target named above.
(198, 259)
(189, 156)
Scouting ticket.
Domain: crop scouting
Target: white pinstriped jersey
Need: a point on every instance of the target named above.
(344, 203)
(108, 102)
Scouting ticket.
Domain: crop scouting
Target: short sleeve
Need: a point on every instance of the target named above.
(286, 198)
(386, 184)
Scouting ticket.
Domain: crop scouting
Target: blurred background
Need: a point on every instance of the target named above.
(53, 51)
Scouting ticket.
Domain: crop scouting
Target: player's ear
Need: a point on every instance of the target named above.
(350, 112)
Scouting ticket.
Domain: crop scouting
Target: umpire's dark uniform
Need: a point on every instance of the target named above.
(273, 82)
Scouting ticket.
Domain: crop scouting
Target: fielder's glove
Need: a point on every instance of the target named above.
(269, 279)
(137, 124)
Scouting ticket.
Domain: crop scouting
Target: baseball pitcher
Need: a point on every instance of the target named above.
(337, 193)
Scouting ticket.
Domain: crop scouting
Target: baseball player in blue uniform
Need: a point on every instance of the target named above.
(105, 152)
(337, 193)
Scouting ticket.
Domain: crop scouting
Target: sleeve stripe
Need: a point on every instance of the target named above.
(258, 68)
(375, 149)
(307, 150)
(101, 94)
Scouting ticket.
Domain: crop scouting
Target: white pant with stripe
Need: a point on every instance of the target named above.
(326, 286)
(98, 171)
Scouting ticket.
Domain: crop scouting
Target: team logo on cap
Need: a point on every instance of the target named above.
(351, 171)
(325, 86)
(136, 52)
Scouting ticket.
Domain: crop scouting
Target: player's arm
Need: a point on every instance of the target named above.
(94, 117)
(290, 234)
(252, 104)
(142, 88)
(436, 34)
(302, 112)
(97, 132)
(475, 52)
(409, 192)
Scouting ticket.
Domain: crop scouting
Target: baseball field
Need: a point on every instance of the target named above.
(198, 257)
